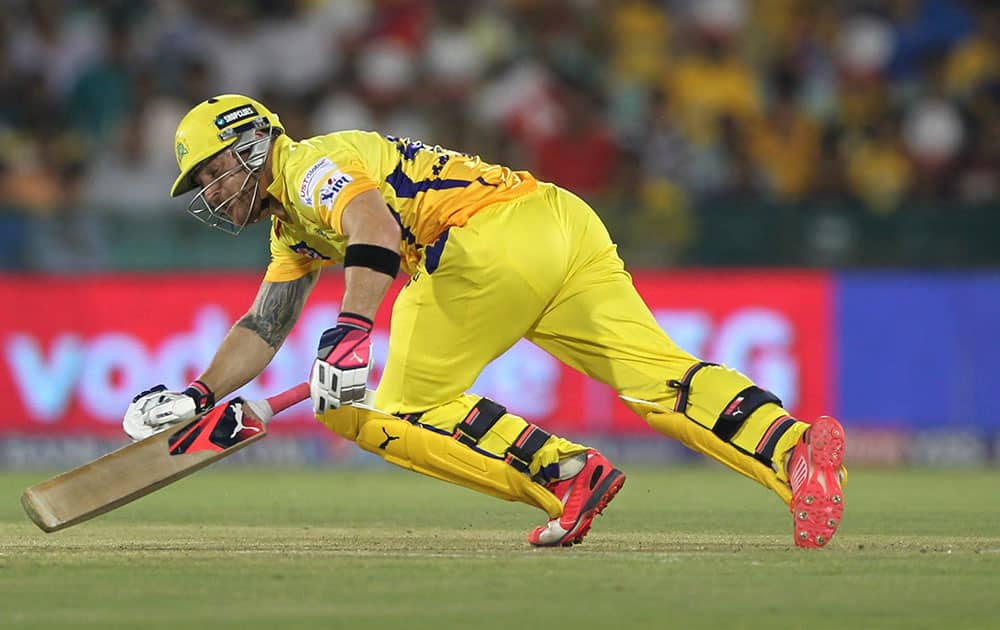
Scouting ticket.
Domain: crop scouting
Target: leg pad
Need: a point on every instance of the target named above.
(427, 451)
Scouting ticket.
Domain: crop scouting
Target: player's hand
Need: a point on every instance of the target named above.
(156, 409)
(340, 372)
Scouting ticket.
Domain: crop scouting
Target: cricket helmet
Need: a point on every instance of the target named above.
(225, 122)
(213, 125)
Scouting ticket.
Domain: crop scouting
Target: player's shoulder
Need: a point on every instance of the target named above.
(322, 165)
(347, 140)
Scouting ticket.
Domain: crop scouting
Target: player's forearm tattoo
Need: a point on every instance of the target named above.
(277, 307)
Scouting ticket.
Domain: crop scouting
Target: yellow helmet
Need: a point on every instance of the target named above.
(213, 125)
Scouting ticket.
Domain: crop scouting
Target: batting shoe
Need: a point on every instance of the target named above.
(584, 496)
(815, 476)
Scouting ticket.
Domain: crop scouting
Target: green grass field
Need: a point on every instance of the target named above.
(679, 548)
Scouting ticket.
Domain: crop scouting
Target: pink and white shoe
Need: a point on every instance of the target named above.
(815, 476)
(584, 496)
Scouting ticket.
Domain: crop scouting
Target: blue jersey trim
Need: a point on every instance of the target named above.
(407, 234)
(432, 255)
(406, 188)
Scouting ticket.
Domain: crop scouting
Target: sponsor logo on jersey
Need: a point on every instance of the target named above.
(304, 250)
(235, 115)
(309, 182)
(332, 186)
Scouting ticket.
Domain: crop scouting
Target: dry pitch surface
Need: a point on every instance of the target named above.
(679, 548)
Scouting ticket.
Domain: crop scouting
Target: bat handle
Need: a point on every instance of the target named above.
(287, 398)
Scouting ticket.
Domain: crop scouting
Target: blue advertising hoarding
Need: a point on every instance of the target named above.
(918, 350)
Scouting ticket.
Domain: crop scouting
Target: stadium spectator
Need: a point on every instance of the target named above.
(974, 63)
(711, 83)
(878, 170)
(784, 143)
(581, 130)
(102, 94)
(924, 29)
(718, 99)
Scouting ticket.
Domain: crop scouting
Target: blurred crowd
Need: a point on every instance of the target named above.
(651, 109)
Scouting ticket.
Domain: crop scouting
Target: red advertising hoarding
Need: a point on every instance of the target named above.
(75, 350)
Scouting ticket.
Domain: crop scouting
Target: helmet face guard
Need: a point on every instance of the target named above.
(251, 149)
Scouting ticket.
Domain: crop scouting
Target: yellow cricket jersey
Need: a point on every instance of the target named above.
(428, 189)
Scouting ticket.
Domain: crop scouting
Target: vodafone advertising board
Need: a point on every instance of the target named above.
(76, 350)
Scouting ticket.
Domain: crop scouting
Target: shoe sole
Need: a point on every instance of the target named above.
(598, 501)
(819, 505)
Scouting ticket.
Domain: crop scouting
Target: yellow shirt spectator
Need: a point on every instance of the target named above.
(640, 39)
(974, 62)
(880, 174)
(786, 147)
(703, 89)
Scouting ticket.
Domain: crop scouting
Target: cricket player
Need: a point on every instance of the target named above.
(492, 255)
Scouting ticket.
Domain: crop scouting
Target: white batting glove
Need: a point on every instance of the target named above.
(156, 409)
(340, 372)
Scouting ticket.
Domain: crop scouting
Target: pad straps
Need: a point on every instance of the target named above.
(737, 411)
(684, 385)
(733, 414)
(483, 416)
(769, 441)
(480, 419)
(523, 450)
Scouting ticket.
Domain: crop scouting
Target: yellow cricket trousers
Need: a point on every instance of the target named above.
(543, 267)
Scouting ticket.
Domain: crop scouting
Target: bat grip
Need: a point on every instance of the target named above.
(289, 397)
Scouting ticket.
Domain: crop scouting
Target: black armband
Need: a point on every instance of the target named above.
(375, 257)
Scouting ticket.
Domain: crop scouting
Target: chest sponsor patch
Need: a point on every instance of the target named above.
(304, 250)
(312, 179)
(331, 187)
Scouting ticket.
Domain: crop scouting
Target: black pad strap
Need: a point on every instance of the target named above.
(740, 408)
(523, 450)
(412, 418)
(478, 421)
(765, 449)
(684, 385)
(374, 257)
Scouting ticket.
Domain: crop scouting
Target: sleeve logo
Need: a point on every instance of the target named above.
(309, 181)
(332, 185)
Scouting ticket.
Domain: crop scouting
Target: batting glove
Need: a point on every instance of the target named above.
(156, 409)
(340, 372)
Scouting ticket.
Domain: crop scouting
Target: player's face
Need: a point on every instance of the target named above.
(228, 186)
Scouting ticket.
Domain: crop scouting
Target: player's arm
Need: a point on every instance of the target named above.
(243, 354)
(371, 261)
(251, 344)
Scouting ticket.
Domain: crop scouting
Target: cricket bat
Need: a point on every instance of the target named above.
(137, 469)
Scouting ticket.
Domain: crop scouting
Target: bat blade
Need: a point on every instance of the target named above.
(142, 467)
(129, 473)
